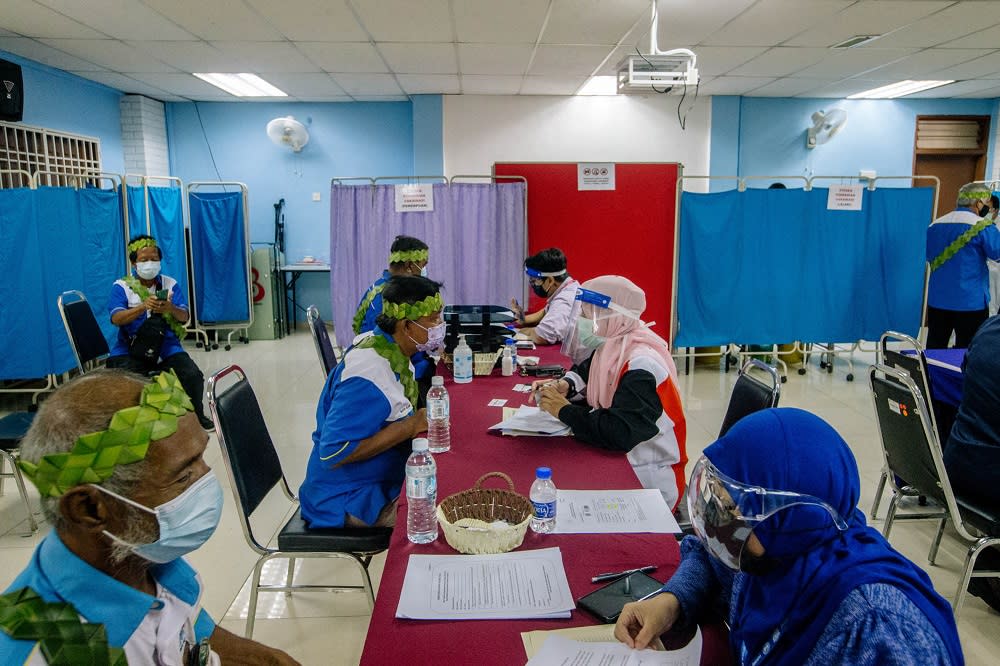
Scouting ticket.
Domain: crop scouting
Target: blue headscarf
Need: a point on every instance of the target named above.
(818, 565)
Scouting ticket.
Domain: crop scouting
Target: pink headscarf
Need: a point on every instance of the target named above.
(625, 338)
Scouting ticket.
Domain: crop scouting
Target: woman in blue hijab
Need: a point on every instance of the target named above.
(785, 555)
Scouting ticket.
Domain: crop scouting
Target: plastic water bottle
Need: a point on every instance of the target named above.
(506, 363)
(462, 361)
(543, 498)
(511, 344)
(421, 494)
(438, 416)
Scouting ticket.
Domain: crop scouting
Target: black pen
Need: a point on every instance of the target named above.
(612, 575)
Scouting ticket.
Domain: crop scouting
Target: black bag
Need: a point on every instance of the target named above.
(148, 340)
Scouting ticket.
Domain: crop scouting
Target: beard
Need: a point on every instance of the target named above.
(137, 532)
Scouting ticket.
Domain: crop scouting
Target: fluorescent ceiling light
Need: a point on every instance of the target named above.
(600, 85)
(901, 89)
(242, 85)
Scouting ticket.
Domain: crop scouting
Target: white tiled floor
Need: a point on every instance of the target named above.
(330, 627)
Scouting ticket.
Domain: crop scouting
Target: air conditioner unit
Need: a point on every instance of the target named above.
(656, 72)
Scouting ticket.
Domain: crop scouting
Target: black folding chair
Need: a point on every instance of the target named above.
(751, 394)
(321, 338)
(913, 364)
(912, 451)
(85, 335)
(254, 470)
(13, 428)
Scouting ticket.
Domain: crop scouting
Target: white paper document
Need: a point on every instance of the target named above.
(527, 584)
(532, 421)
(613, 511)
(560, 651)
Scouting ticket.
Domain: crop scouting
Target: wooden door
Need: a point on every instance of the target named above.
(953, 148)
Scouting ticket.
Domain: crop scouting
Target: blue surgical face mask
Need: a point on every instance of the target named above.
(585, 333)
(423, 271)
(147, 270)
(186, 522)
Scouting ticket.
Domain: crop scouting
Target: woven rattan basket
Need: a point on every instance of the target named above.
(469, 518)
(483, 364)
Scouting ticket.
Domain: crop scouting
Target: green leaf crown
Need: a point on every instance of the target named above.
(137, 245)
(412, 311)
(401, 257)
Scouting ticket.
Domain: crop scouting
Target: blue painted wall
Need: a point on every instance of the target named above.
(428, 135)
(56, 100)
(767, 136)
(345, 139)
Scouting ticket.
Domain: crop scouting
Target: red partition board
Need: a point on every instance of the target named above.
(627, 231)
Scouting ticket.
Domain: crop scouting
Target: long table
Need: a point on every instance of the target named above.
(945, 369)
(475, 452)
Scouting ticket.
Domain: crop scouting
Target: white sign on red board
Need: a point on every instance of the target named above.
(414, 198)
(844, 197)
(595, 176)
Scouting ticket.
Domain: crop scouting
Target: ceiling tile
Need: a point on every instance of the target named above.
(228, 20)
(853, 62)
(381, 98)
(691, 21)
(474, 84)
(567, 60)
(306, 85)
(123, 83)
(593, 21)
(186, 85)
(771, 22)
(715, 60)
(413, 58)
(494, 58)
(407, 21)
(507, 22)
(110, 53)
(7, 33)
(984, 39)
(962, 18)
(983, 94)
(781, 61)
(121, 20)
(551, 85)
(733, 85)
(429, 84)
(311, 20)
(192, 56)
(45, 54)
(842, 89)
(325, 98)
(959, 89)
(367, 84)
(344, 57)
(920, 65)
(871, 17)
(984, 67)
(263, 57)
(788, 87)
(30, 19)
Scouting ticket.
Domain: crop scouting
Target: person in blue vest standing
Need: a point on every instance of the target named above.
(958, 245)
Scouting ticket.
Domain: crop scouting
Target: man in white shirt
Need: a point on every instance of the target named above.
(549, 279)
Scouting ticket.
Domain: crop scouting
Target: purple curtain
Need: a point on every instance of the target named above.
(476, 235)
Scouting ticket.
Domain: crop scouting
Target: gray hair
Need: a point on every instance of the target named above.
(970, 193)
(84, 405)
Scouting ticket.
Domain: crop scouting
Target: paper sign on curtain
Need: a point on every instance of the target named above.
(844, 197)
(413, 198)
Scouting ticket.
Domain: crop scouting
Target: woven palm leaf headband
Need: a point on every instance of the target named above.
(137, 245)
(403, 256)
(412, 311)
(94, 456)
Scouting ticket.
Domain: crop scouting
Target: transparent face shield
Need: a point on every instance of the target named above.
(724, 512)
(601, 308)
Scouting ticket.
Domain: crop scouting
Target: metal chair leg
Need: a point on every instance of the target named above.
(963, 583)
(254, 586)
(19, 482)
(878, 494)
(290, 575)
(937, 541)
(891, 515)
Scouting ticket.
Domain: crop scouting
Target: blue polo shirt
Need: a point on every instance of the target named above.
(58, 575)
(375, 307)
(963, 282)
(122, 298)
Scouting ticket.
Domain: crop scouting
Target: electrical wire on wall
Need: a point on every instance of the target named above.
(204, 134)
(682, 120)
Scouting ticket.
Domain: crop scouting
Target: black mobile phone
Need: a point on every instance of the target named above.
(543, 370)
(607, 602)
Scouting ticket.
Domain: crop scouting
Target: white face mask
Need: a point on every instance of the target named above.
(147, 270)
(423, 272)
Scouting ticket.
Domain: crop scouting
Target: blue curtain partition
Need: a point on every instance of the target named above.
(52, 240)
(219, 246)
(773, 266)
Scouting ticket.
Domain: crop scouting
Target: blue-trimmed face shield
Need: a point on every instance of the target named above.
(724, 512)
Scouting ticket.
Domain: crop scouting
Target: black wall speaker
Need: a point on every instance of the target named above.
(11, 92)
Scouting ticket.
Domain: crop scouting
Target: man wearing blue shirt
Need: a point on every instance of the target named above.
(119, 465)
(958, 245)
(146, 294)
(367, 413)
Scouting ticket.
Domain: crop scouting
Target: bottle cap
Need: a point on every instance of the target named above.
(420, 444)
(510, 341)
(437, 380)
(541, 472)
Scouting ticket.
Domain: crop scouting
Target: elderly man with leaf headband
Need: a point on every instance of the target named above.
(150, 311)
(368, 413)
(120, 469)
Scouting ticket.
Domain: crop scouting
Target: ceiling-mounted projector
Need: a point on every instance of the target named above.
(657, 71)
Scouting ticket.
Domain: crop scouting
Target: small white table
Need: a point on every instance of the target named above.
(292, 273)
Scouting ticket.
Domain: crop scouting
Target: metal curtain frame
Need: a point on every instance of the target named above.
(830, 349)
(20, 172)
(215, 328)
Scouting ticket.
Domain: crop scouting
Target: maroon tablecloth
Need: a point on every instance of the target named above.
(474, 451)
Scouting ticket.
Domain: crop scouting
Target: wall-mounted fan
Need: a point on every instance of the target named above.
(287, 131)
(826, 124)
